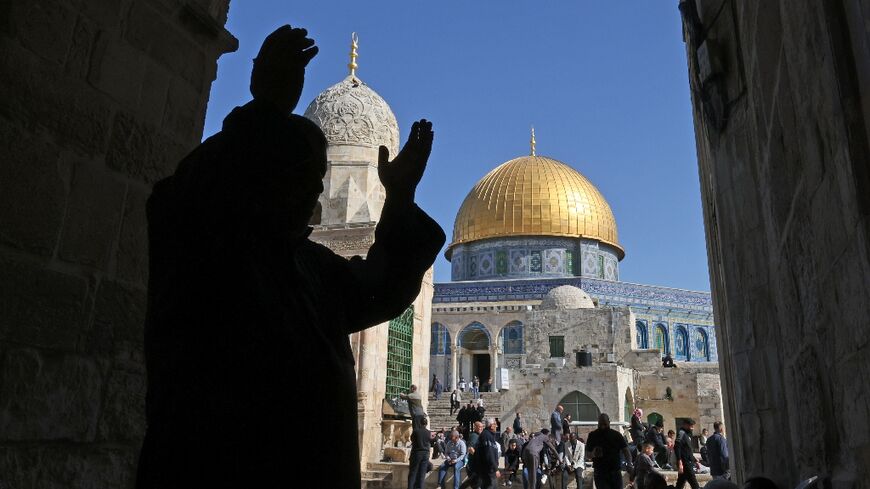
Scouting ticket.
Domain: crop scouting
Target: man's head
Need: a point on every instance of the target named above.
(508, 430)
(688, 424)
(454, 435)
(718, 427)
(560, 408)
(603, 420)
(671, 434)
(660, 425)
(478, 427)
(704, 432)
(572, 437)
(492, 423)
(518, 414)
(512, 445)
(413, 388)
(277, 189)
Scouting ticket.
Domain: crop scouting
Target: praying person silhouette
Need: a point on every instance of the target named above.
(248, 319)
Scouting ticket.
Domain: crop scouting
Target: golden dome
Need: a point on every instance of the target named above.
(534, 196)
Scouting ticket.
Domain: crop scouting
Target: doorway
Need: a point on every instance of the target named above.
(480, 367)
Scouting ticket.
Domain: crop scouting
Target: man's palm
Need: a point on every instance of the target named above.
(401, 175)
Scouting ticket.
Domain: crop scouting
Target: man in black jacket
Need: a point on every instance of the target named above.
(486, 456)
(421, 440)
(686, 462)
(655, 435)
(605, 446)
(717, 452)
(241, 303)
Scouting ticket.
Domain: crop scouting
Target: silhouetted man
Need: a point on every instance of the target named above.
(245, 313)
(605, 445)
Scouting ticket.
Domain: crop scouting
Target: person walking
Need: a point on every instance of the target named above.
(475, 387)
(438, 388)
(717, 452)
(421, 441)
(686, 463)
(455, 401)
(486, 457)
(605, 445)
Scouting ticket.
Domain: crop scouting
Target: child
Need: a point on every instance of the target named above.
(644, 465)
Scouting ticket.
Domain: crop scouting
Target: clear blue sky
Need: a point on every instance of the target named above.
(604, 84)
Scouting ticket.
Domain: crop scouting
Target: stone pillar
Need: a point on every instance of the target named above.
(454, 360)
(493, 365)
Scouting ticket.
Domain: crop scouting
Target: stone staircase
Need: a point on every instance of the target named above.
(377, 476)
(439, 411)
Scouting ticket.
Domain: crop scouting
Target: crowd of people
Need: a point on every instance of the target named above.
(556, 456)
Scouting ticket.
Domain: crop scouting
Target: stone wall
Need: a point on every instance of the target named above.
(781, 96)
(695, 393)
(98, 100)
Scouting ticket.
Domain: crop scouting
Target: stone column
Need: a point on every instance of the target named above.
(454, 345)
(493, 366)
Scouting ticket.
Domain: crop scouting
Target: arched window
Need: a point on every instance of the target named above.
(580, 407)
(474, 337)
(662, 342)
(642, 341)
(702, 344)
(653, 418)
(681, 344)
(512, 338)
(440, 344)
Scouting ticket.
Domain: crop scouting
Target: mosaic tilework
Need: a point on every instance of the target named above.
(606, 291)
(535, 262)
(519, 261)
(534, 257)
(554, 261)
(486, 264)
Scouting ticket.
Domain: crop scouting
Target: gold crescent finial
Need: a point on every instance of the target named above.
(533, 142)
(354, 44)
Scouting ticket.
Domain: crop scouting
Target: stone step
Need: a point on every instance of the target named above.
(376, 474)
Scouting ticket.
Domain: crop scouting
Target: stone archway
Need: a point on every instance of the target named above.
(474, 351)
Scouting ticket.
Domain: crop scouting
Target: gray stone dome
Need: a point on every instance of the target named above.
(351, 113)
(567, 297)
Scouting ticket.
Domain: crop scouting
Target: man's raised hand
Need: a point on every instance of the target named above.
(279, 68)
(401, 175)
